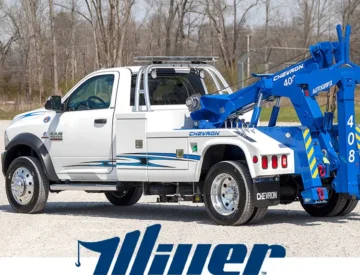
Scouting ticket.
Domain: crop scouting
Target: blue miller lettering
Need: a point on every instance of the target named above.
(221, 255)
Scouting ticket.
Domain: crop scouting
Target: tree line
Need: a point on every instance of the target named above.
(46, 46)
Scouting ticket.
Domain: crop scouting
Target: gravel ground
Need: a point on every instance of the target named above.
(72, 216)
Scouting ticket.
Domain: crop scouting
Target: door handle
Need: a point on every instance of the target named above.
(100, 121)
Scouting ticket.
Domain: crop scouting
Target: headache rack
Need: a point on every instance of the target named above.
(180, 64)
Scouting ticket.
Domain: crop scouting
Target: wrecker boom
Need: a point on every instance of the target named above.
(324, 151)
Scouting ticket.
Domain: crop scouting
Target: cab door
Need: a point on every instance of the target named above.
(81, 138)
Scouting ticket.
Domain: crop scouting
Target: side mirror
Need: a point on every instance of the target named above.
(54, 103)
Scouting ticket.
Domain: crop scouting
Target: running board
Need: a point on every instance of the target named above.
(83, 187)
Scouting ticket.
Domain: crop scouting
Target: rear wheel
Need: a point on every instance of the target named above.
(228, 193)
(258, 214)
(335, 204)
(27, 187)
(350, 205)
(126, 197)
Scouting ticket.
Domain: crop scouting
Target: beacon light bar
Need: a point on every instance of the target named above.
(176, 59)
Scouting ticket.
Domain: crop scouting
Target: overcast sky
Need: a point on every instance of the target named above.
(255, 17)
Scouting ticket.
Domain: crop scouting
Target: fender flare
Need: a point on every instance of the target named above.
(217, 141)
(39, 148)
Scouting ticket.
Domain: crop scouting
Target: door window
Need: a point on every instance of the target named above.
(94, 93)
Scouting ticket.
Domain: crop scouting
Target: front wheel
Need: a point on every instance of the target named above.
(27, 187)
(126, 197)
(228, 193)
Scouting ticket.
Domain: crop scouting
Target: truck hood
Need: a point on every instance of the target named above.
(33, 113)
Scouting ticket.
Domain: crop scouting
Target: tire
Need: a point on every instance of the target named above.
(350, 205)
(258, 214)
(231, 202)
(125, 198)
(27, 187)
(333, 207)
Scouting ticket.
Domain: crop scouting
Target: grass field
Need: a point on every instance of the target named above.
(9, 115)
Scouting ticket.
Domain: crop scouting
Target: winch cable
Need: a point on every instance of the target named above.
(282, 63)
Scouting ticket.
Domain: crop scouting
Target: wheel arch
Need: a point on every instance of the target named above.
(221, 150)
(27, 144)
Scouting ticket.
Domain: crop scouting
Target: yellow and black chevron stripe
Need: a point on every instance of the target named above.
(358, 137)
(310, 153)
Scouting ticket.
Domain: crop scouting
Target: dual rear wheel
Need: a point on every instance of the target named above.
(337, 205)
(228, 195)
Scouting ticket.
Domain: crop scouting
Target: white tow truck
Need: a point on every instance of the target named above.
(127, 132)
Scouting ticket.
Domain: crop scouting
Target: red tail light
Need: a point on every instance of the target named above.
(255, 159)
(274, 162)
(264, 162)
(284, 162)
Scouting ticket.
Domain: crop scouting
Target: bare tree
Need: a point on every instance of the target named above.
(183, 9)
(89, 34)
(73, 39)
(122, 28)
(35, 21)
(348, 14)
(266, 38)
(112, 28)
(173, 8)
(54, 47)
(216, 10)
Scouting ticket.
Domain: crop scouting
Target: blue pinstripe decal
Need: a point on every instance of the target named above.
(38, 113)
(138, 156)
(165, 155)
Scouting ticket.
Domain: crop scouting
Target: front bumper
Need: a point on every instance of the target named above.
(3, 156)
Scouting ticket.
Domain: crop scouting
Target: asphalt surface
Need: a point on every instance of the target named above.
(72, 216)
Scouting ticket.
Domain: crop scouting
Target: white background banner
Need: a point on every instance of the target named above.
(285, 266)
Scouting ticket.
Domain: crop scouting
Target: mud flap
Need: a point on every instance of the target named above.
(266, 193)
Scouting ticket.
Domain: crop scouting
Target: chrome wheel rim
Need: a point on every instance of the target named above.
(224, 194)
(22, 186)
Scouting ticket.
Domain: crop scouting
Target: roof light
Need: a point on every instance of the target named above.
(153, 74)
(177, 59)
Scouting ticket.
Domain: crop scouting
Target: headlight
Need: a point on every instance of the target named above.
(6, 139)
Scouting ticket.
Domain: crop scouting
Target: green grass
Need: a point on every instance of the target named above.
(288, 114)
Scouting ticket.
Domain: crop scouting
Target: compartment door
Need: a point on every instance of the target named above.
(131, 157)
(167, 159)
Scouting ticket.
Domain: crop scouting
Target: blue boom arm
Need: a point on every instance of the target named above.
(328, 65)
(216, 109)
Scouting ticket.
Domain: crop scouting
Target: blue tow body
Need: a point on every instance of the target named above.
(322, 150)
